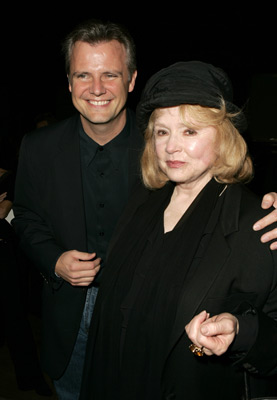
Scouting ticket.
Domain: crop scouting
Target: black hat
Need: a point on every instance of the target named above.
(192, 82)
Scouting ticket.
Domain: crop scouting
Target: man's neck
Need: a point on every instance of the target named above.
(104, 133)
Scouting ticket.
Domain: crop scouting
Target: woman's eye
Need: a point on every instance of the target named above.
(160, 132)
(190, 132)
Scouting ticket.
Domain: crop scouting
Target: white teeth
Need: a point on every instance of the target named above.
(99, 103)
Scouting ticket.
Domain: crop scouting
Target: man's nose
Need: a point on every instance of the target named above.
(97, 87)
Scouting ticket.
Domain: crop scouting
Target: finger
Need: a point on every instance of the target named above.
(207, 351)
(196, 321)
(269, 199)
(88, 265)
(217, 328)
(266, 221)
(86, 269)
(200, 318)
(273, 246)
(271, 235)
(82, 256)
(216, 346)
(83, 279)
(193, 328)
(84, 282)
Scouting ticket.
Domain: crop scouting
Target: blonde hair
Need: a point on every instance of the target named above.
(233, 164)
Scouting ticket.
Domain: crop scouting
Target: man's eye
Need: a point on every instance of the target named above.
(110, 76)
(82, 76)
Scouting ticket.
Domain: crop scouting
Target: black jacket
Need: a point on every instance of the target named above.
(232, 271)
(49, 219)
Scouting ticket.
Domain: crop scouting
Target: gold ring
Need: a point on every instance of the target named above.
(198, 351)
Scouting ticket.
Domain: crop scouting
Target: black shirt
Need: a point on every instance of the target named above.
(105, 187)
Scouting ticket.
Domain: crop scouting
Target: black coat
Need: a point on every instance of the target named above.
(50, 219)
(232, 271)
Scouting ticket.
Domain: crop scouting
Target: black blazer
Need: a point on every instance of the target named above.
(49, 219)
(236, 274)
(232, 271)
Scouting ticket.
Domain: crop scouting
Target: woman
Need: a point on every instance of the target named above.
(188, 303)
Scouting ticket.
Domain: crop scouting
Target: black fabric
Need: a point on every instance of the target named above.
(50, 219)
(231, 267)
(107, 167)
(15, 326)
(191, 82)
(13, 310)
(140, 295)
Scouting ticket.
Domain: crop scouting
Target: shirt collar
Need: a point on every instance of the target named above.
(115, 147)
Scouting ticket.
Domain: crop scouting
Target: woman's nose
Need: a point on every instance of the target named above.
(173, 144)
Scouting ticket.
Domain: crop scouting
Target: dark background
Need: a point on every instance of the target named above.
(239, 37)
(241, 40)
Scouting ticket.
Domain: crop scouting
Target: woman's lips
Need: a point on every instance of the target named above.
(175, 164)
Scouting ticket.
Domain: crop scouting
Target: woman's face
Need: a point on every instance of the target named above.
(185, 155)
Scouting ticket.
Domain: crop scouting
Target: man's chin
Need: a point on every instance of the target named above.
(102, 119)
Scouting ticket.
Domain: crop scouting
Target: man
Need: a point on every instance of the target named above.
(73, 181)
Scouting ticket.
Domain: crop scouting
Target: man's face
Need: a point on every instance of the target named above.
(99, 81)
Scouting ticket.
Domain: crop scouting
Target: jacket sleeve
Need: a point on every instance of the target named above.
(251, 271)
(262, 358)
(258, 328)
(35, 236)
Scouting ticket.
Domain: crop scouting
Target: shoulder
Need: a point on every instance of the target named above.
(250, 202)
(52, 133)
(241, 209)
(45, 143)
(240, 199)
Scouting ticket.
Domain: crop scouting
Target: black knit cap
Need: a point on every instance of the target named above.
(191, 82)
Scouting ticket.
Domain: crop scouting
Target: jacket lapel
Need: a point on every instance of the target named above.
(198, 284)
(203, 273)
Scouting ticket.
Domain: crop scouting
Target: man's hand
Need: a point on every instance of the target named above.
(269, 200)
(77, 268)
(214, 335)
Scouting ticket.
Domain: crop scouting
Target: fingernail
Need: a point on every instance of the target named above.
(264, 238)
(256, 227)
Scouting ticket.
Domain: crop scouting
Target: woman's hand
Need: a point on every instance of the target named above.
(213, 335)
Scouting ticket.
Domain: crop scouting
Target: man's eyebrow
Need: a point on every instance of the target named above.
(79, 72)
(110, 71)
(116, 72)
